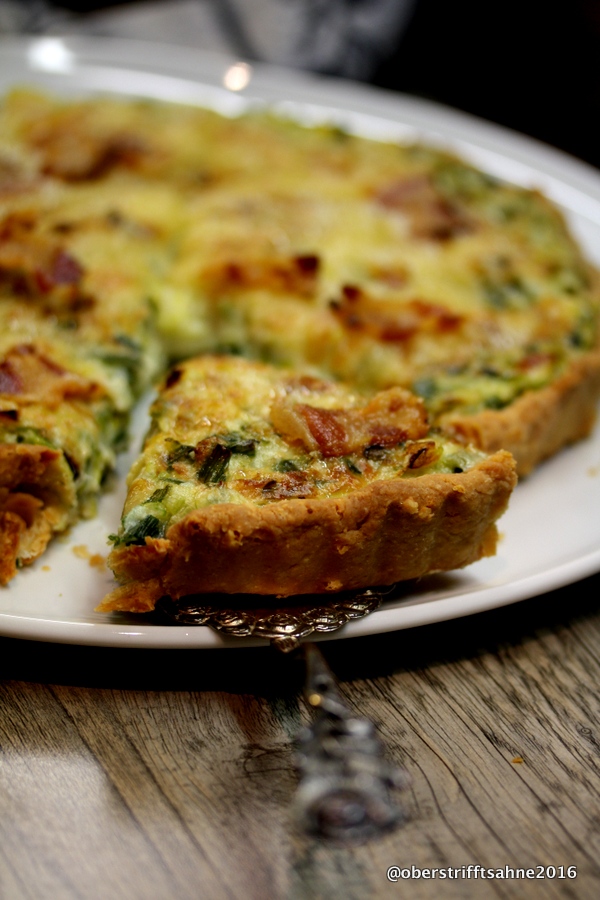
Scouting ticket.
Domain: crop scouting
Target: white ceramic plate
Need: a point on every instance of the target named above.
(552, 529)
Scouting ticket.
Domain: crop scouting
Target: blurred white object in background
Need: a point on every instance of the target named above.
(341, 37)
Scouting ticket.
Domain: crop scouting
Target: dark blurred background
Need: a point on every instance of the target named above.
(533, 67)
(530, 66)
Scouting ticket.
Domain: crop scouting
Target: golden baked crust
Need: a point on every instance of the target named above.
(256, 480)
(539, 423)
(391, 531)
(36, 498)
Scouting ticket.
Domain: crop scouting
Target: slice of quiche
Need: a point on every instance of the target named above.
(59, 432)
(255, 479)
(78, 345)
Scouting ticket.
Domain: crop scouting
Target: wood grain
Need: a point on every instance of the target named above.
(169, 774)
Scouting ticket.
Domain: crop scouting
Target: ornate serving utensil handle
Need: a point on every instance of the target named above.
(346, 789)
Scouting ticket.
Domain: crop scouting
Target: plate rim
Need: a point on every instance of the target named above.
(347, 97)
(383, 621)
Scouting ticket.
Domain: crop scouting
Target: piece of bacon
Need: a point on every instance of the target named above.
(391, 417)
(283, 486)
(74, 156)
(28, 374)
(63, 269)
(390, 320)
(431, 216)
(34, 266)
(297, 275)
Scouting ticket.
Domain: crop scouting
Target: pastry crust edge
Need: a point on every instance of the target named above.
(540, 422)
(39, 471)
(392, 530)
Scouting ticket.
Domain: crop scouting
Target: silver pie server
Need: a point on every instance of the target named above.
(347, 790)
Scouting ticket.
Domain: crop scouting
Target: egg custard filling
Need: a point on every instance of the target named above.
(227, 431)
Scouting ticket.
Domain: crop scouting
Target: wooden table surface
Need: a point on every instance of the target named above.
(162, 775)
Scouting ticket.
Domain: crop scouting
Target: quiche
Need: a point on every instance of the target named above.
(256, 479)
(78, 345)
(137, 233)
